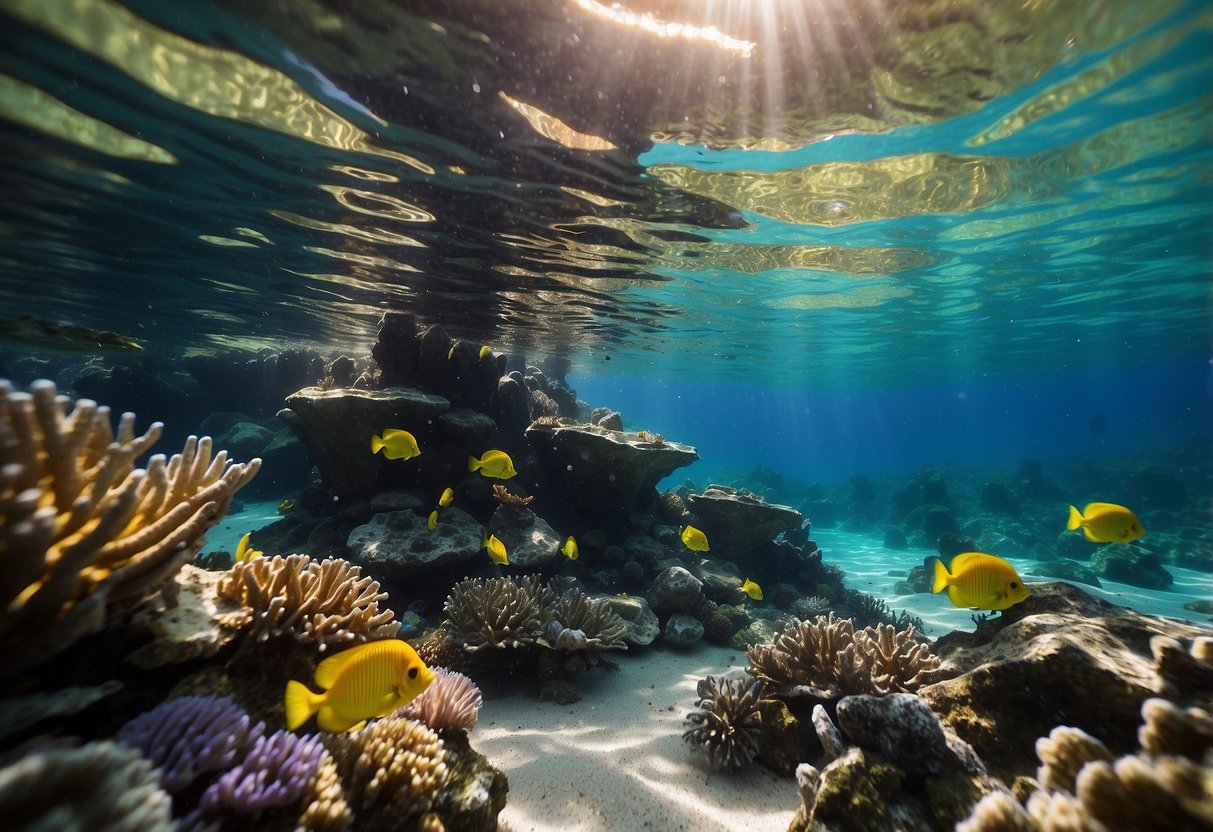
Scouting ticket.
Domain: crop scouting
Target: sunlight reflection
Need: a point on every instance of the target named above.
(647, 22)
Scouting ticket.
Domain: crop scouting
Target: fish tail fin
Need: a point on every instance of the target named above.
(473, 463)
(1075, 519)
(301, 704)
(941, 576)
(376, 444)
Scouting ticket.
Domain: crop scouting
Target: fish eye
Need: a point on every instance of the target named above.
(412, 673)
(1014, 585)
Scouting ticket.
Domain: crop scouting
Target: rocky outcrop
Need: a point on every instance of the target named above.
(643, 626)
(336, 427)
(395, 542)
(1131, 564)
(737, 523)
(529, 540)
(602, 472)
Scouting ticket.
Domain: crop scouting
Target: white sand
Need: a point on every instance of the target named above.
(616, 760)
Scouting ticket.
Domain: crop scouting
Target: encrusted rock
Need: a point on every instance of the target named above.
(682, 632)
(529, 540)
(674, 590)
(399, 541)
(827, 733)
(643, 626)
(1131, 564)
(900, 726)
(196, 625)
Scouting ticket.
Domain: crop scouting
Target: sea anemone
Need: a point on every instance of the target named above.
(451, 703)
(728, 722)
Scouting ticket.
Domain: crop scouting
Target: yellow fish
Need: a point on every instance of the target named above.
(695, 540)
(497, 553)
(493, 464)
(244, 551)
(752, 589)
(447, 498)
(433, 521)
(569, 549)
(364, 682)
(980, 581)
(395, 444)
(1106, 523)
(485, 352)
(451, 352)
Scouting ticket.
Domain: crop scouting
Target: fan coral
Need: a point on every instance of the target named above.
(451, 703)
(327, 602)
(99, 787)
(83, 528)
(507, 498)
(276, 772)
(496, 612)
(728, 723)
(393, 770)
(187, 737)
(594, 617)
(827, 658)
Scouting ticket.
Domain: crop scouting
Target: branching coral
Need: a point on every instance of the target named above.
(100, 787)
(507, 498)
(187, 737)
(451, 703)
(827, 658)
(329, 602)
(84, 529)
(496, 612)
(594, 617)
(728, 723)
(393, 771)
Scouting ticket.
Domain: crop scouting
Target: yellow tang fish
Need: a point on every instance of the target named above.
(497, 553)
(364, 682)
(448, 496)
(569, 549)
(980, 581)
(433, 521)
(244, 551)
(695, 540)
(485, 352)
(395, 444)
(752, 589)
(1106, 523)
(493, 464)
(451, 352)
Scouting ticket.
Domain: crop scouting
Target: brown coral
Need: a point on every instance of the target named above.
(496, 612)
(393, 771)
(451, 703)
(84, 529)
(329, 602)
(438, 648)
(728, 724)
(507, 498)
(602, 627)
(827, 658)
(327, 809)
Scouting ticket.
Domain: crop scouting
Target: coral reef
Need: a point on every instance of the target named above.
(277, 772)
(593, 617)
(496, 612)
(191, 736)
(328, 603)
(728, 723)
(85, 531)
(827, 658)
(99, 787)
(451, 703)
(506, 497)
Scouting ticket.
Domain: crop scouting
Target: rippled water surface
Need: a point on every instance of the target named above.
(849, 190)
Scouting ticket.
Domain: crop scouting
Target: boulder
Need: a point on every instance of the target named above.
(336, 427)
(529, 541)
(395, 543)
(674, 590)
(602, 473)
(643, 626)
(1131, 564)
(513, 405)
(682, 632)
(737, 523)
(1068, 570)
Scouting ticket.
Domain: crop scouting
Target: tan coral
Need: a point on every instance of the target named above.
(327, 809)
(508, 498)
(327, 602)
(1063, 754)
(496, 612)
(998, 812)
(827, 658)
(393, 771)
(85, 530)
(439, 648)
(593, 616)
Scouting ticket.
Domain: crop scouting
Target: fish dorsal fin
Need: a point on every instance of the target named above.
(329, 669)
(1097, 508)
(960, 561)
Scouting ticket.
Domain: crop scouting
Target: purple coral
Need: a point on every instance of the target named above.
(276, 772)
(187, 737)
(451, 703)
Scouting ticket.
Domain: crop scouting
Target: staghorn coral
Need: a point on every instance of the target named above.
(190, 736)
(99, 787)
(496, 612)
(594, 617)
(451, 703)
(326, 603)
(827, 658)
(276, 772)
(85, 530)
(393, 771)
(728, 723)
(507, 498)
